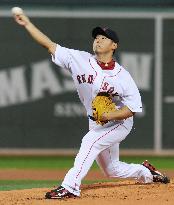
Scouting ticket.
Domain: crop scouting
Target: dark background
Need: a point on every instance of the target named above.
(32, 124)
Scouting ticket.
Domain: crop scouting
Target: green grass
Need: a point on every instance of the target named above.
(159, 162)
(61, 163)
(36, 162)
(6, 185)
(67, 162)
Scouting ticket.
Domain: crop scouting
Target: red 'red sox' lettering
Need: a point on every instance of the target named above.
(105, 86)
(85, 79)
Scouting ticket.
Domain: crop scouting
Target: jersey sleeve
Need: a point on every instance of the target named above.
(65, 57)
(62, 57)
(131, 95)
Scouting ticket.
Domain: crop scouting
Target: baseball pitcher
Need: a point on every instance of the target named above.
(111, 99)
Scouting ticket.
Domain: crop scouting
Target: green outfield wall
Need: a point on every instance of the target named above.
(39, 106)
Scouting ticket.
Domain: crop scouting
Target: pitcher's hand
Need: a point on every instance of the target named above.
(21, 19)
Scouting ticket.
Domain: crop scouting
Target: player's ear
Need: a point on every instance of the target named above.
(114, 45)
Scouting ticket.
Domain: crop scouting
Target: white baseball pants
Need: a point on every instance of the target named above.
(101, 143)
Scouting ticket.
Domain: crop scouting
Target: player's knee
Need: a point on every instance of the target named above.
(93, 144)
(112, 169)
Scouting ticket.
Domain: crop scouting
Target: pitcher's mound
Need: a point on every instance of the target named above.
(110, 193)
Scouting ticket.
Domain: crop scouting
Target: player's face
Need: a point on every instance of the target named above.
(102, 44)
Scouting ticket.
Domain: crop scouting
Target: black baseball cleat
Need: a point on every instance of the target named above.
(59, 193)
(157, 176)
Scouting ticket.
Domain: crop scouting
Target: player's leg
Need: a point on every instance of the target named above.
(95, 141)
(108, 160)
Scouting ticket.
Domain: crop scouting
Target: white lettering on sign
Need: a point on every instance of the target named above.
(44, 79)
(69, 110)
(139, 66)
(13, 87)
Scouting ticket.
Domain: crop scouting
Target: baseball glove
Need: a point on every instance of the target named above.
(102, 103)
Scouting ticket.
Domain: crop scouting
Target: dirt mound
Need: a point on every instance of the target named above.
(124, 192)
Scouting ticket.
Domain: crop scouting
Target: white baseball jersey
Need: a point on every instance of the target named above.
(90, 79)
(101, 143)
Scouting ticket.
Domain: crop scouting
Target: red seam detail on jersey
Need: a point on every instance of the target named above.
(110, 76)
(92, 146)
(93, 69)
(95, 76)
(102, 83)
